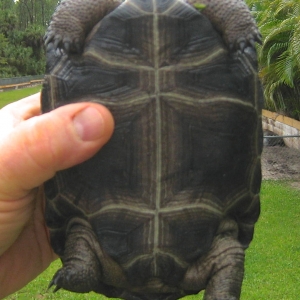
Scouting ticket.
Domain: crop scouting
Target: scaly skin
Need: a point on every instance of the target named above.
(73, 20)
(222, 269)
(233, 19)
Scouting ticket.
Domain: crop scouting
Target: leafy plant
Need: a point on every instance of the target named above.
(279, 56)
(3, 45)
(22, 26)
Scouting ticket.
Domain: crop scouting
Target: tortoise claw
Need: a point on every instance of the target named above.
(252, 42)
(255, 38)
(48, 38)
(56, 289)
(258, 38)
(242, 45)
(57, 42)
(78, 46)
(67, 46)
(62, 44)
(244, 42)
(51, 284)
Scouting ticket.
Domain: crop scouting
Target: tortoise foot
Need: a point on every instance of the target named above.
(221, 272)
(81, 271)
(67, 278)
(73, 278)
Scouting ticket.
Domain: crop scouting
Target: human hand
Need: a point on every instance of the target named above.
(32, 148)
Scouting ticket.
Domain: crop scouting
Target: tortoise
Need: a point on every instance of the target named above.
(167, 208)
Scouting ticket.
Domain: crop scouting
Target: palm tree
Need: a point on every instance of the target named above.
(279, 56)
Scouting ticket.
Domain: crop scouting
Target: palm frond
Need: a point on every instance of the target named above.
(284, 68)
(279, 56)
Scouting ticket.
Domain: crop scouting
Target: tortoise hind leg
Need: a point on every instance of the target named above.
(221, 271)
(226, 282)
(85, 266)
(81, 271)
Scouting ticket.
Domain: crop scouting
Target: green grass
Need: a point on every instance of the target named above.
(272, 261)
(13, 95)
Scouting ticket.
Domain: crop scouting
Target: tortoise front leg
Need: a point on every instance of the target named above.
(73, 20)
(221, 271)
(233, 19)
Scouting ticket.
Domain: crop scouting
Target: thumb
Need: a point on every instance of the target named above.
(38, 147)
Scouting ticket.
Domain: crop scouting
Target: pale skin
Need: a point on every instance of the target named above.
(33, 147)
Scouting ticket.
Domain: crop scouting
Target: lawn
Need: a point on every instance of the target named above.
(272, 261)
(13, 95)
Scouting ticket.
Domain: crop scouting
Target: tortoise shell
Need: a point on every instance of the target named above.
(168, 206)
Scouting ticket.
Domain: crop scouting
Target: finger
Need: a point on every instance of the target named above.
(16, 112)
(42, 145)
